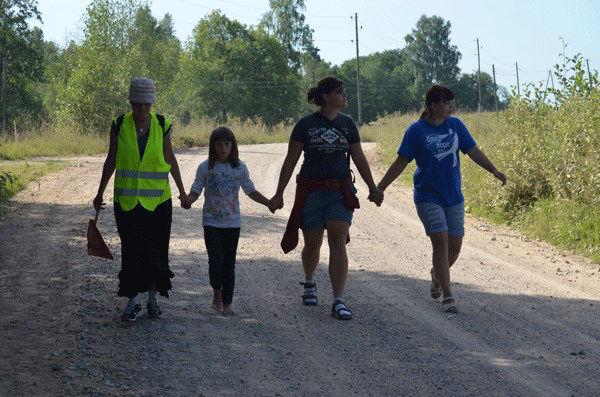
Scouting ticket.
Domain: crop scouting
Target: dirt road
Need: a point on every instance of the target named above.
(529, 321)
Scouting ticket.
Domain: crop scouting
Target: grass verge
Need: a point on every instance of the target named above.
(14, 177)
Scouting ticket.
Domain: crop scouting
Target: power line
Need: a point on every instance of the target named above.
(379, 34)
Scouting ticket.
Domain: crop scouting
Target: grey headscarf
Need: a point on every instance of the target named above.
(142, 90)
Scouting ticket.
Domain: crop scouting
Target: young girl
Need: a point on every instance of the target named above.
(434, 142)
(221, 177)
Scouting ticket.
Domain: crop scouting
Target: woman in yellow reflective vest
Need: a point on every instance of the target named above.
(141, 156)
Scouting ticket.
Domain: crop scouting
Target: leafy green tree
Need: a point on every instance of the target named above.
(467, 95)
(287, 22)
(387, 81)
(21, 47)
(154, 51)
(121, 40)
(231, 70)
(428, 45)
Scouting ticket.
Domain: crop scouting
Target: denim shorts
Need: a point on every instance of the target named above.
(322, 206)
(438, 219)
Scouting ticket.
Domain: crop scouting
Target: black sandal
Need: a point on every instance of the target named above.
(340, 311)
(309, 297)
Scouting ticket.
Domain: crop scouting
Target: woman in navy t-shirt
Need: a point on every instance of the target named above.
(325, 196)
(434, 142)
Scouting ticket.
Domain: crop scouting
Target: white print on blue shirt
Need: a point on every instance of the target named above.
(442, 146)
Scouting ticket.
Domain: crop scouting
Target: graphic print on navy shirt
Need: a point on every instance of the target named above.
(325, 145)
(436, 152)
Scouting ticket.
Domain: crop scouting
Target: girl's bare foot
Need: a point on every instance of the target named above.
(217, 303)
(228, 311)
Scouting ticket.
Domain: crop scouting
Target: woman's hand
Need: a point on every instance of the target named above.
(98, 202)
(276, 203)
(185, 200)
(376, 196)
(500, 176)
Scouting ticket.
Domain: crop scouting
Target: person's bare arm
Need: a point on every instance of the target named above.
(259, 198)
(291, 159)
(172, 161)
(107, 171)
(362, 165)
(192, 197)
(393, 172)
(481, 159)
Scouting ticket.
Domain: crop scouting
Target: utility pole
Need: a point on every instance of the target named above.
(495, 89)
(357, 72)
(518, 85)
(587, 61)
(548, 78)
(478, 78)
(3, 92)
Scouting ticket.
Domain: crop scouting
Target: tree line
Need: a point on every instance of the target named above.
(224, 69)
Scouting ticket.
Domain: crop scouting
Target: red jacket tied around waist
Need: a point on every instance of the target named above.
(303, 188)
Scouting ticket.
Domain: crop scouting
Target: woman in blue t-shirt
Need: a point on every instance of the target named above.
(325, 195)
(434, 142)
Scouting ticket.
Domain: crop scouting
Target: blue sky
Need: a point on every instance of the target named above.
(509, 31)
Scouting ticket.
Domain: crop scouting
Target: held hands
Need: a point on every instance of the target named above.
(500, 176)
(276, 203)
(185, 200)
(376, 196)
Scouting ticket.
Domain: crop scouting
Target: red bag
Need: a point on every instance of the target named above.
(95, 243)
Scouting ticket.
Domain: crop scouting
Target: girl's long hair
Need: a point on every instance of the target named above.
(435, 94)
(325, 86)
(222, 134)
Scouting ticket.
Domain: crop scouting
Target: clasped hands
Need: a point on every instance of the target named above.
(376, 196)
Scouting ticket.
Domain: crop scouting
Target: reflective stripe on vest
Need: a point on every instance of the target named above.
(141, 174)
(139, 192)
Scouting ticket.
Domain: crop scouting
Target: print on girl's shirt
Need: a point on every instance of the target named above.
(442, 146)
(221, 185)
(221, 189)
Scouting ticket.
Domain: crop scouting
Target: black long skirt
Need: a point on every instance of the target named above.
(145, 239)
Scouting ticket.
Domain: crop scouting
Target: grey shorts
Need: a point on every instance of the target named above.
(438, 219)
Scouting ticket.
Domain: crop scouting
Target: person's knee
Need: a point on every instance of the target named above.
(439, 241)
(337, 243)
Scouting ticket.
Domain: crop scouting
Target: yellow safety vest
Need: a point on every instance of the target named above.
(145, 180)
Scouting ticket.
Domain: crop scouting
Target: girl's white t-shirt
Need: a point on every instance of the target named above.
(221, 186)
